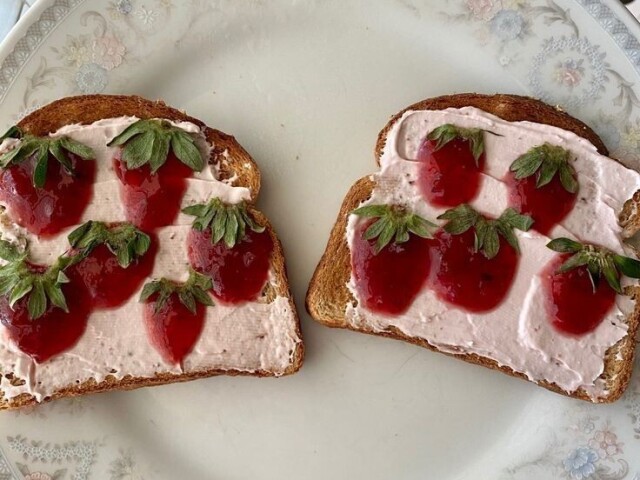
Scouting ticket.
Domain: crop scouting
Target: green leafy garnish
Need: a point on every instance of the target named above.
(124, 240)
(193, 291)
(148, 142)
(18, 279)
(546, 161)
(394, 223)
(13, 132)
(600, 262)
(448, 132)
(40, 148)
(487, 231)
(227, 222)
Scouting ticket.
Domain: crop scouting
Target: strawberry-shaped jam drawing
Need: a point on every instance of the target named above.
(46, 183)
(228, 245)
(577, 300)
(474, 258)
(43, 312)
(155, 160)
(452, 160)
(115, 260)
(174, 314)
(544, 185)
(390, 257)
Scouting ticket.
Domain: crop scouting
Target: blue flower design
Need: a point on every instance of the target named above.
(91, 78)
(581, 463)
(124, 6)
(507, 25)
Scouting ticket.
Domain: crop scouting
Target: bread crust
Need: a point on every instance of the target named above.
(231, 160)
(328, 295)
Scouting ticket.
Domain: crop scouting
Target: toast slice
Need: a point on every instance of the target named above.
(234, 166)
(328, 295)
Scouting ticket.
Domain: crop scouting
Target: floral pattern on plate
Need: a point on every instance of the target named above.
(569, 70)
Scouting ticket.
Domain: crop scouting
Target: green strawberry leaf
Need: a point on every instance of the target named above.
(124, 240)
(41, 148)
(193, 291)
(546, 161)
(394, 222)
(228, 222)
(148, 142)
(448, 132)
(487, 231)
(599, 261)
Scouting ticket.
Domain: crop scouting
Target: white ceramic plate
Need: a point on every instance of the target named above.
(305, 86)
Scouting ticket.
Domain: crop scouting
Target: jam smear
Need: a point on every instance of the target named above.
(449, 176)
(108, 284)
(153, 200)
(173, 330)
(466, 278)
(239, 274)
(55, 331)
(389, 281)
(572, 304)
(59, 204)
(547, 205)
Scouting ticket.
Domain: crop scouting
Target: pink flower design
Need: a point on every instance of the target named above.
(569, 73)
(605, 443)
(38, 476)
(108, 52)
(482, 9)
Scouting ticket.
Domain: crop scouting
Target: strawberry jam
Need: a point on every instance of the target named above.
(572, 304)
(153, 200)
(547, 205)
(173, 330)
(389, 281)
(449, 176)
(240, 273)
(466, 278)
(55, 331)
(109, 285)
(58, 204)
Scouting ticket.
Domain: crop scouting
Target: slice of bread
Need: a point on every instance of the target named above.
(232, 162)
(328, 294)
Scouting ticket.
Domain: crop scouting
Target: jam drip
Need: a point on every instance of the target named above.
(52, 333)
(173, 330)
(449, 175)
(573, 306)
(239, 273)
(59, 204)
(547, 205)
(465, 278)
(153, 200)
(108, 284)
(389, 281)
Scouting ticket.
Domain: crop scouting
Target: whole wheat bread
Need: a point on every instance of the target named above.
(231, 161)
(328, 295)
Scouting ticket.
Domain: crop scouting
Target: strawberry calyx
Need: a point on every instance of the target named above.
(148, 142)
(394, 222)
(487, 230)
(599, 261)
(40, 148)
(19, 278)
(193, 291)
(448, 132)
(228, 222)
(124, 240)
(546, 161)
